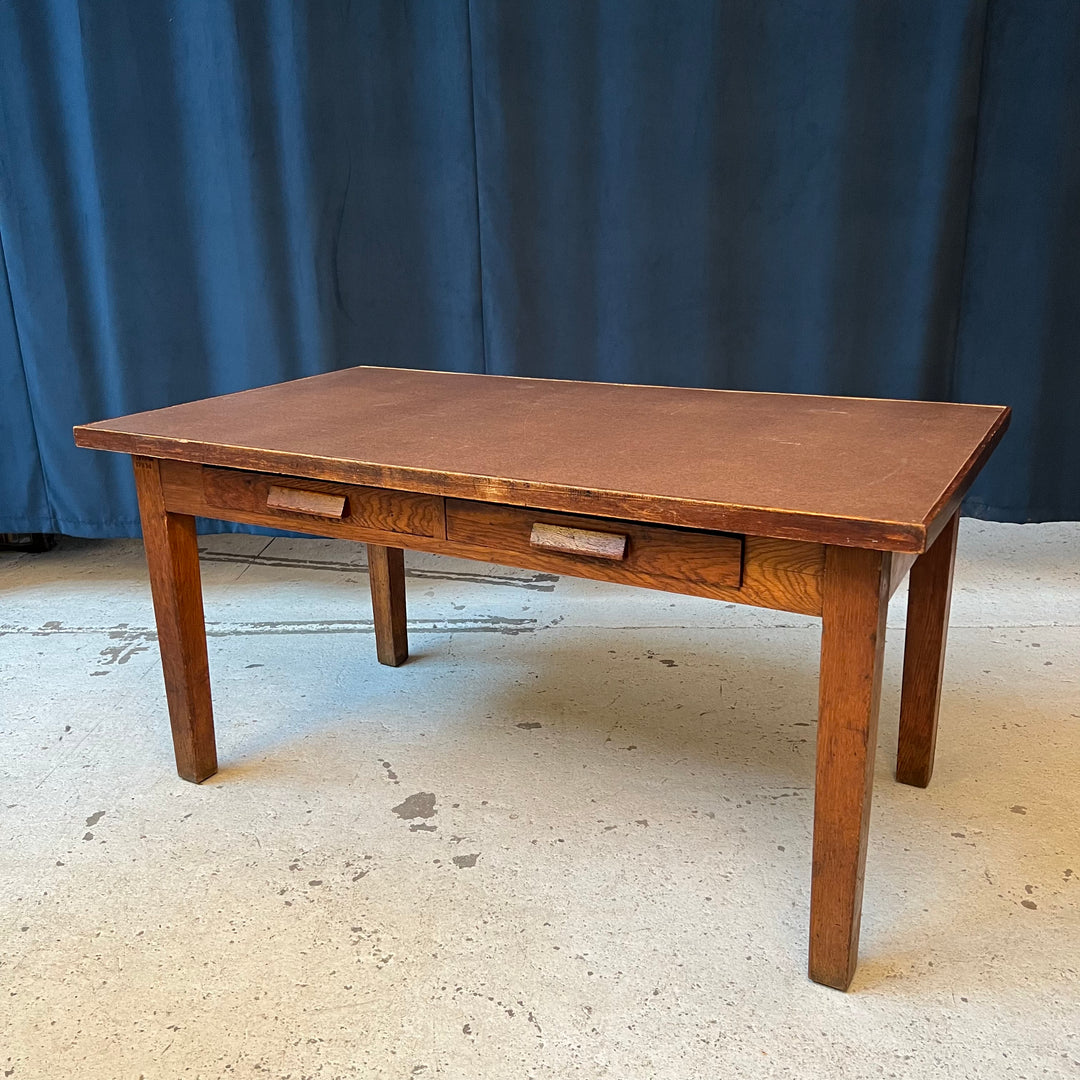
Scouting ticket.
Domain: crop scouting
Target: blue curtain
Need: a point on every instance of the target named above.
(835, 197)
(200, 197)
(1019, 317)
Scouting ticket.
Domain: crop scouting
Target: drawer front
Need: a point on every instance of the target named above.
(599, 547)
(316, 501)
(782, 574)
(299, 505)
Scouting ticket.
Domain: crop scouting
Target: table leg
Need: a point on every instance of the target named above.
(386, 571)
(172, 555)
(855, 602)
(929, 595)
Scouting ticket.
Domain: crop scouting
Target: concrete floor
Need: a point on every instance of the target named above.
(571, 838)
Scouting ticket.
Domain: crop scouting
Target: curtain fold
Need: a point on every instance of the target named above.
(201, 197)
(1019, 334)
(757, 196)
(821, 196)
(24, 504)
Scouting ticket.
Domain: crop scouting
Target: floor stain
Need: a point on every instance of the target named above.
(530, 725)
(129, 642)
(462, 862)
(93, 819)
(420, 805)
(136, 639)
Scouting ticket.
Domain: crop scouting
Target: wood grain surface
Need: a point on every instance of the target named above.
(386, 573)
(599, 544)
(852, 471)
(808, 504)
(172, 556)
(782, 574)
(305, 501)
(230, 491)
(854, 606)
(929, 597)
(651, 552)
(901, 564)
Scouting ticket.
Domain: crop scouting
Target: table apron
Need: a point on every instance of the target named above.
(767, 572)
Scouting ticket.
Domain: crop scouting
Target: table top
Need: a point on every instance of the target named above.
(863, 472)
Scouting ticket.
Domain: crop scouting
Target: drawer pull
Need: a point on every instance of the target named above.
(298, 501)
(600, 545)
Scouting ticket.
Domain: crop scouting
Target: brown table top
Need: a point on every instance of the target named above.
(864, 472)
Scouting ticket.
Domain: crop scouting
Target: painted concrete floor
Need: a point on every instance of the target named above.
(570, 838)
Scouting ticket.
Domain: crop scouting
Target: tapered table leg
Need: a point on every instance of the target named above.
(386, 571)
(855, 602)
(172, 555)
(929, 596)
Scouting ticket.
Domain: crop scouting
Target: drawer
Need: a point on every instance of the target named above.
(300, 505)
(656, 555)
(782, 574)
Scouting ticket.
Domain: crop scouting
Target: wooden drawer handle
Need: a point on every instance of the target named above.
(600, 545)
(298, 501)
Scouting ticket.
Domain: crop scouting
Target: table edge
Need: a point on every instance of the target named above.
(903, 536)
(949, 501)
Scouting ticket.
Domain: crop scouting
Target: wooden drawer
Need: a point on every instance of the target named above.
(653, 555)
(328, 509)
(782, 574)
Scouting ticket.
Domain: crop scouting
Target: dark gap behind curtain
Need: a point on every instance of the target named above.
(829, 197)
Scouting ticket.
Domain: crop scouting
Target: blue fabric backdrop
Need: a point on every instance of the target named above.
(839, 197)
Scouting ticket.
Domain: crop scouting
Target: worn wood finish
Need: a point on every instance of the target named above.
(653, 554)
(386, 572)
(305, 501)
(230, 492)
(172, 555)
(854, 606)
(598, 545)
(901, 564)
(929, 597)
(816, 505)
(821, 469)
(781, 574)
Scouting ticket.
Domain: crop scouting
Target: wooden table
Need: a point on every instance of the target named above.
(818, 505)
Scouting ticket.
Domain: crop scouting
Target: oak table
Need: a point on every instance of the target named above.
(818, 505)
